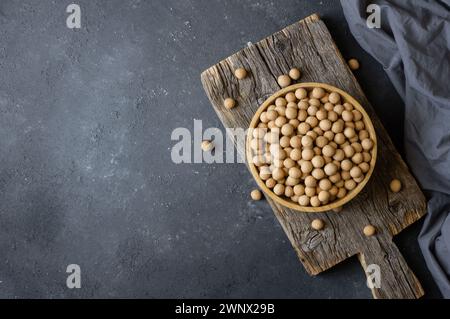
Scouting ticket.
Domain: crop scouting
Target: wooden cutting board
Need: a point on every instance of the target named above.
(308, 46)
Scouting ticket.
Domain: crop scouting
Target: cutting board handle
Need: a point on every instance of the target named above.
(396, 280)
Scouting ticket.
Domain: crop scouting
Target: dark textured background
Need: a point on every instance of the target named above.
(85, 169)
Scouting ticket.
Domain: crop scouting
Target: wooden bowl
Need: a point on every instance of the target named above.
(284, 201)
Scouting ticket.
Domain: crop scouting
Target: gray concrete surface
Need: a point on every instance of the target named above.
(85, 169)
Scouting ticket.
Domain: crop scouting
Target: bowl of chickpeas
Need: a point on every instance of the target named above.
(311, 147)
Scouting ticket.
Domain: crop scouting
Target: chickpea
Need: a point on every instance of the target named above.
(334, 98)
(339, 109)
(318, 161)
(329, 107)
(336, 128)
(346, 165)
(325, 184)
(312, 121)
(287, 130)
(303, 200)
(284, 80)
(307, 154)
(307, 141)
(341, 193)
(328, 150)
(265, 173)
(315, 202)
(350, 184)
(321, 114)
(280, 121)
(317, 224)
(256, 194)
(291, 181)
(295, 141)
(301, 93)
(330, 169)
(335, 178)
(288, 191)
(229, 103)
(207, 146)
(330, 136)
(318, 93)
(306, 167)
(347, 116)
(279, 189)
(291, 113)
(349, 132)
(395, 185)
(240, 73)
(310, 181)
(339, 155)
(278, 174)
(355, 172)
(303, 128)
(364, 167)
(270, 183)
(348, 151)
(323, 196)
(314, 102)
(296, 172)
(325, 125)
(302, 115)
(294, 74)
(321, 141)
(303, 105)
(318, 173)
(296, 154)
(367, 144)
(369, 230)
(353, 64)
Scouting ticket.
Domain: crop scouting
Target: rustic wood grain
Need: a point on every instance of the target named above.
(308, 45)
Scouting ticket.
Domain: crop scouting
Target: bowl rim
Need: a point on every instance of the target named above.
(287, 203)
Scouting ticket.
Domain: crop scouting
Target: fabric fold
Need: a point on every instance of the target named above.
(413, 46)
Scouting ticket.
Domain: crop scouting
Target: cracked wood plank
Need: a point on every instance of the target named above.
(308, 45)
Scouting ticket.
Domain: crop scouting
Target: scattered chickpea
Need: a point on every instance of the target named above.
(295, 74)
(256, 194)
(395, 185)
(369, 230)
(317, 224)
(284, 80)
(240, 73)
(207, 146)
(353, 64)
(229, 103)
